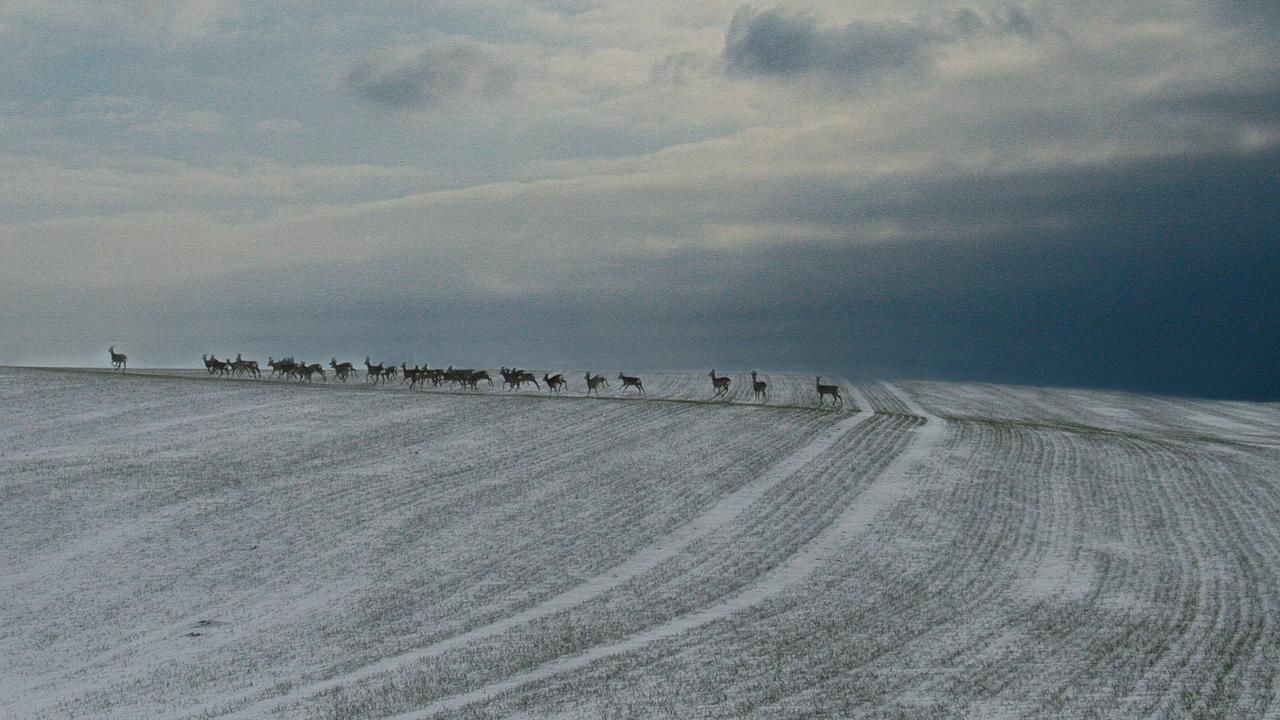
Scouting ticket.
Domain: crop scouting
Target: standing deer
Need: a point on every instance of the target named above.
(119, 361)
(630, 381)
(594, 383)
(760, 387)
(824, 390)
(720, 385)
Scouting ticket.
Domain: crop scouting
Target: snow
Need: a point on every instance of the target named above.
(180, 546)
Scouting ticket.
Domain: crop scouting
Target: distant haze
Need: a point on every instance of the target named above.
(1084, 195)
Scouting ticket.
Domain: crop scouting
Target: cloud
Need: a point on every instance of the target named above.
(278, 126)
(198, 122)
(986, 222)
(1163, 281)
(775, 43)
(170, 25)
(429, 78)
(1262, 16)
(34, 188)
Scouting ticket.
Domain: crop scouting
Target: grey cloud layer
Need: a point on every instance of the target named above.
(774, 42)
(430, 77)
(1082, 198)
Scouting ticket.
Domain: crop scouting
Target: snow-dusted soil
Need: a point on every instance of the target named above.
(180, 546)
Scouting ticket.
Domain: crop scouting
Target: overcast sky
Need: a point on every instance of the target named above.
(1081, 194)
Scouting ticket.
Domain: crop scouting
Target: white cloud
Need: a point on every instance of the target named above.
(91, 185)
(169, 120)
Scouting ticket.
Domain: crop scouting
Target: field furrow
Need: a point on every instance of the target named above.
(1036, 573)
(682, 596)
(417, 526)
(178, 545)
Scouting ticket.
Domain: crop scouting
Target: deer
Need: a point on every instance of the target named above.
(554, 383)
(277, 366)
(508, 377)
(720, 385)
(372, 372)
(342, 370)
(514, 378)
(631, 381)
(435, 375)
(825, 390)
(242, 366)
(213, 364)
(453, 376)
(305, 371)
(119, 361)
(288, 367)
(414, 375)
(594, 383)
(760, 387)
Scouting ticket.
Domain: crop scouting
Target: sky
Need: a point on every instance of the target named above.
(1083, 194)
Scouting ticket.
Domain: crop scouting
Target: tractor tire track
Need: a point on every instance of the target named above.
(890, 486)
(646, 559)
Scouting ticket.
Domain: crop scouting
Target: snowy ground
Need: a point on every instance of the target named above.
(180, 546)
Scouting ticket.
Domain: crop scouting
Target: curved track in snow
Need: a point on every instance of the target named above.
(645, 560)
(197, 548)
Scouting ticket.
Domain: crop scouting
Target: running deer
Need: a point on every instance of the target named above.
(761, 387)
(213, 364)
(119, 361)
(414, 375)
(277, 366)
(630, 381)
(372, 372)
(342, 370)
(594, 382)
(720, 385)
(305, 371)
(410, 375)
(824, 390)
(523, 376)
(240, 366)
(554, 382)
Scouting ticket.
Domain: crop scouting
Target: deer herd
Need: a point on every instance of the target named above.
(467, 379)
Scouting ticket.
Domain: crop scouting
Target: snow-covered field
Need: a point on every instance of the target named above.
(179, 546)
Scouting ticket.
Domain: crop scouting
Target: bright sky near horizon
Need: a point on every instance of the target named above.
(1031, 192)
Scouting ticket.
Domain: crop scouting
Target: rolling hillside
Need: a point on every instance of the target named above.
(181, 546)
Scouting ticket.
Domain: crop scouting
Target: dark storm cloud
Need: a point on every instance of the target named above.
(1160, 276)
(1263, 15)
(1161, 279)
(1262, 105)
(777, 43)
(429, 78)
